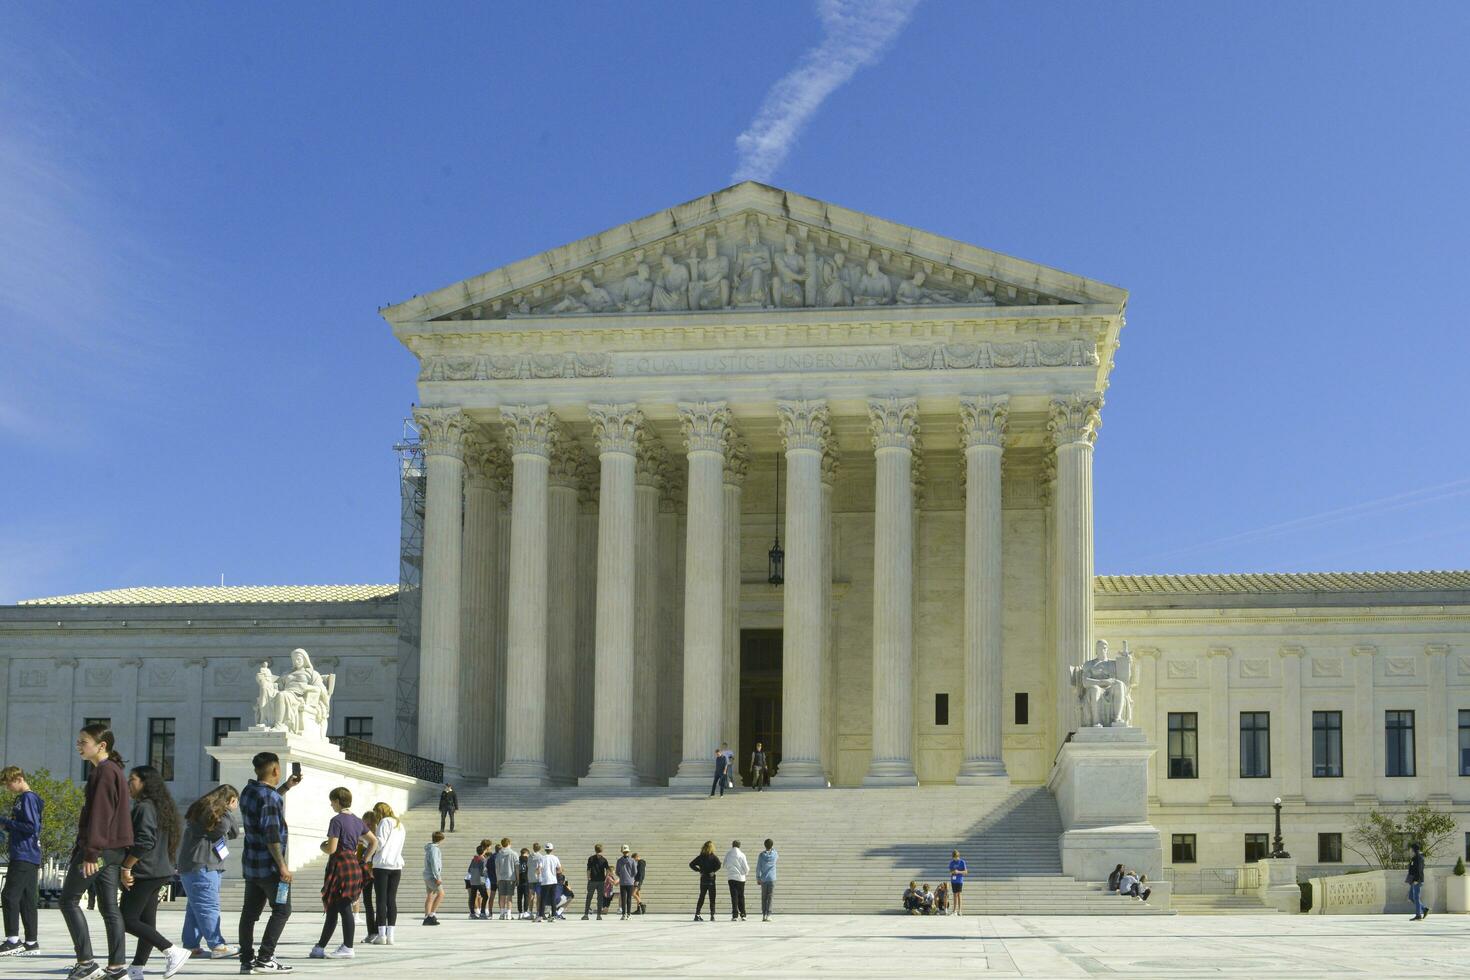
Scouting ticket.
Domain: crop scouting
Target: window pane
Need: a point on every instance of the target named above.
(1327, 743)
(1255, 847)
(1329, 848)
(1183, 745)
(1398, 735)
(1023, 708)
(222, 727)
(941, 709)
(1255, 744)
(161, 746)
(1182, 848)
(1465, 743)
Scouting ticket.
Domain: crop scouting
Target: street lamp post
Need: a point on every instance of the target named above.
(1278, 846)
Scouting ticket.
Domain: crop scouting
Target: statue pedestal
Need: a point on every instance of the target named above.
(1100, 782)
(324, 767)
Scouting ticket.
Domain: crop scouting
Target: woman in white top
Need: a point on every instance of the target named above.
(387, 861)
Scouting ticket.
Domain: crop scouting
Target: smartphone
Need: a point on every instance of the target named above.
(295, 768)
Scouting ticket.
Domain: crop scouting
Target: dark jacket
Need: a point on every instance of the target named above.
(642, 870)
(150, 846)
(24, 827)
(105, 822)
(1416, 868)
(196, 850)
(706, 865)
(596, 868)
(722, 762)
(448, 801)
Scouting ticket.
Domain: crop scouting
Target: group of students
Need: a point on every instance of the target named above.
(737, 869)
(536, 882)
(1129, 884)
(947, 899)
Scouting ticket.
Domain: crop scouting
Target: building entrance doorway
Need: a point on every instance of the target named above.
(760, 698)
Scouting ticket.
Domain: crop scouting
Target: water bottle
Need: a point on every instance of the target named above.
(283, 892)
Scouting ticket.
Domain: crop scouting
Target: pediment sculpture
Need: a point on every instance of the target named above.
(1105, 688)
(298, 701)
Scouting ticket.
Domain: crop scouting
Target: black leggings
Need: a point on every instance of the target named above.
(370, 917)
(140, 917)
(625, 899)
(338, 910)
(385, 883)
(106, 881)
(523, 896)
(737, 898)
(481, 892)
(706, 885)
(20, 898)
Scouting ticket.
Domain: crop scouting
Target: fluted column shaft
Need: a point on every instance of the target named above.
(563, 514)
(706, 426)
(649, 630)
(805, 429)
(829, 652)
(1073, 425)
(442, 432)
(737, 463)
(894, 423)
(529, 432)
(615, 427)
(982, 427)
(481, 583)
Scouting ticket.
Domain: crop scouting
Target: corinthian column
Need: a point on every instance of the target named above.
(442, 432)
(830, 464)
(615, 427)
(894, 423)
(805, 429)
(568, 471)
(530, 431)
(706, 427)
(737, 464)
(652, 470)
(1073, 426)
(486, 470)
(982, 432)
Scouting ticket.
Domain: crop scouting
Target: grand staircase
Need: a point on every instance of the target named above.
(842, 850)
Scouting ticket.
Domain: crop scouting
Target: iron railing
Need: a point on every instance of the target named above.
(392, 760)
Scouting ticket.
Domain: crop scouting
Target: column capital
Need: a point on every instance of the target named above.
(530, 430)
(1075, 419)
(615, 427)
(894, 422)
(568, 461)
(737, 463)
(442, 431)
(706, 426)
(486, 464)
(983, 421)
(805, 423)
(652, 465)
(918, 476)
(831, 463)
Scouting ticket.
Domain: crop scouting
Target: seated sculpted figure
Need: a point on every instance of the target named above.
(299, 701)
(671, 288)
(1102, 686)
(874, 288)
(836, 286)
(711, 291)
(752, 283)
(790, 277)
(637, 290)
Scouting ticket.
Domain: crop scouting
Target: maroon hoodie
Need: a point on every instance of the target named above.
(106, 821)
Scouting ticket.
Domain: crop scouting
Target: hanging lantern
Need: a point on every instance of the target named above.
(776, 558)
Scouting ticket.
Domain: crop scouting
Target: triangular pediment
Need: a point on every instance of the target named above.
(753, 247)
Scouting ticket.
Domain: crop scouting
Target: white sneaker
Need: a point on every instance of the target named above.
(174, 959)
(317, 953)
(342, 953)
(135, 973)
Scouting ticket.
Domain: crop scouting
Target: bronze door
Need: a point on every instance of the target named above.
(760, 698)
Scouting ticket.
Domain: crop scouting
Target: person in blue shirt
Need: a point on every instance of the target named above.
(765, 876)
(722, 765)
(23, 827)
(957, 872)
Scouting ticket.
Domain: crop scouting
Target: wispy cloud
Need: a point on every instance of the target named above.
(855, 35)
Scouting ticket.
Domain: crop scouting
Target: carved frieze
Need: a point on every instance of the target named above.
(1400, 667)
(1255, 667)
(1326, 666)
(1177, 669)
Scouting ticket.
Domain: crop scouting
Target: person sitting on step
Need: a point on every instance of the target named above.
(913, 899)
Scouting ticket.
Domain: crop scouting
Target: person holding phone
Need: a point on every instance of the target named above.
(267, 875)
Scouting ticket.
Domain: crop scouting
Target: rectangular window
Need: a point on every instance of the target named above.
(1464, 743)
(1326, 744)
(1183, 745)
(1023, 708)
(161, 746)
(222, 727)
(1255, 744)
(941, 709)
(360, 727)
(1256, 847)
(1329, 848)
(1182, 848)
(1467, 845)
(86, 722)
(1398, 736)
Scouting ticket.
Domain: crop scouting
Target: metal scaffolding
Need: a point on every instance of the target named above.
(411, 484)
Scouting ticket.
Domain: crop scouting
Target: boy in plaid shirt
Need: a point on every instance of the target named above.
(264, 864)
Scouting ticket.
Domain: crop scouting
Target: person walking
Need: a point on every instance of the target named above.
(263, 863)
(722, 767)
(546, 877)
(209, 823)
(448, 806)
(760, 775)
(365, 848)
(23, 872)
(148, 867)
(506, 866)
(387, 859)
(433, 878)
(638, 885)
(736, 870)
(706, 864)
(627, 872)
(1415, 879)
(342, 881)
(104, 831)
(957, 871)
(765, 876)
(596, 874)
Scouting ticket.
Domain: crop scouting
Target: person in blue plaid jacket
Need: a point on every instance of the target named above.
(264, 864)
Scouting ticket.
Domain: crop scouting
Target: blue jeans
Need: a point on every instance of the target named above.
(201, 914)
(1414, 887)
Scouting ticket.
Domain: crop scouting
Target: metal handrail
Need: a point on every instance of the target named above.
(382, 757)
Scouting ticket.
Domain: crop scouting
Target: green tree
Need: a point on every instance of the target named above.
(59, 820)
(1381, 837)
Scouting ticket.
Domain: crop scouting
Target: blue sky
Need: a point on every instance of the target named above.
(202, 207)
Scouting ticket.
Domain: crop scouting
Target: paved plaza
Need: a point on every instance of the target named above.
(863, 946)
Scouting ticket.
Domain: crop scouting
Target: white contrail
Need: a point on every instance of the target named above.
(854, 34)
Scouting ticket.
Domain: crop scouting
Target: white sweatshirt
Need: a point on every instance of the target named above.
(736, 866)
(389, 855)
